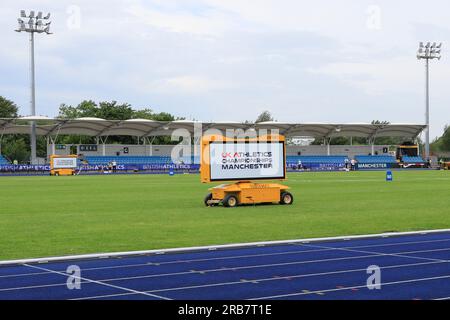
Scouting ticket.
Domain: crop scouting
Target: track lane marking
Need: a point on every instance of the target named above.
(231, 257)
(394, 254)
(101, 283)
(350, 288)
(371, 255)
(274, 278)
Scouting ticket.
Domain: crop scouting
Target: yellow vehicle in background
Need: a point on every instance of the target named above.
(63, 165)
(244, 160)
(445, 165)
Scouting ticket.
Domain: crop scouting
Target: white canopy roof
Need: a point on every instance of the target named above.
(145, 128)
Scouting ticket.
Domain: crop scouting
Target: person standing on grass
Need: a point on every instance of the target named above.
(352, 162)
(114, 166)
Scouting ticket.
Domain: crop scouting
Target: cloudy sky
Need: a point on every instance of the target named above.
(305, 61)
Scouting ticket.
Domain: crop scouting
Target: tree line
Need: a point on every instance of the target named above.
(16, 147)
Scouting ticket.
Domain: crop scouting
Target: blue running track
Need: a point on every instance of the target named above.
(412, 267)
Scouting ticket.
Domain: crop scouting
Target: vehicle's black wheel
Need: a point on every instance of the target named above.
(207, 198)
(230, 201)
(286, 198)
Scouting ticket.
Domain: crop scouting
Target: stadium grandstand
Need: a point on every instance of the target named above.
(3, 160)
(145, 156)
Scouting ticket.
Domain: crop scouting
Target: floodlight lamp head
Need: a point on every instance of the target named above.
(21, 27)
(427, 45)
(39, 15)
(47, 16)
(31, 14)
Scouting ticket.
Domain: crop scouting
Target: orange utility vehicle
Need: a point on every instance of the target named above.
(244, 160)
(63, 165)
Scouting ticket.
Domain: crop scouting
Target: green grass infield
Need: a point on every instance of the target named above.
(53, 216)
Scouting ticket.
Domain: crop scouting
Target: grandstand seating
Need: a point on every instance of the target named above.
(104, 160)
(3, 160)
(376, 159)
(316, 159)
(407, 159)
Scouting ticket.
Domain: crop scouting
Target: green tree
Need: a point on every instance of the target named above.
(86, 108)
(265, 116)
(110, 111)
(446, 139)
(104, 110)
(442, 143)
(16, 148)
(8, 109)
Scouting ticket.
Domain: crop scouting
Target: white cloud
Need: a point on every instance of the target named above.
(214, 59)
(211, 23)
(187, 84)
(375, 77)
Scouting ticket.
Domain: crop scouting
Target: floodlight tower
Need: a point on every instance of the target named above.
(428, 52)
(37, 23)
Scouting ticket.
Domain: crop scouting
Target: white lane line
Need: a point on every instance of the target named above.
(404, 254)
(193, 272)
(349, 288)
(235, 257)
(105, 296)
(179, 261)
(226, 269)
(250, 281)
(258, 266)
(101, 283)
(217, 247)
